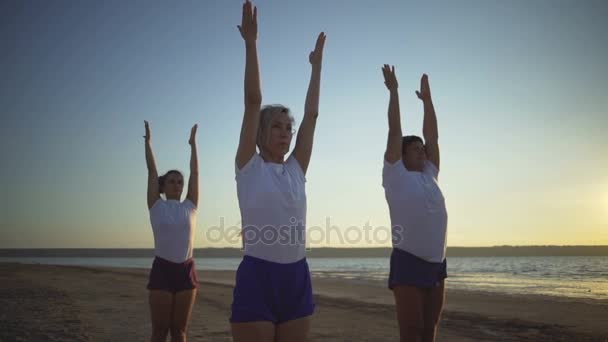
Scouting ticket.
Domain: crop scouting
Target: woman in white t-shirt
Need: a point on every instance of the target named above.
(272, 298)
(418, 218)
(172, 282)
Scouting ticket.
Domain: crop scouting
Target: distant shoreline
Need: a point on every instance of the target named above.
(496, 251)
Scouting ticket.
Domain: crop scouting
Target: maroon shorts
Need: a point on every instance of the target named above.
(171, 276)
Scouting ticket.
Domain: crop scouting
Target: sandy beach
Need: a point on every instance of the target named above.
(69, 303)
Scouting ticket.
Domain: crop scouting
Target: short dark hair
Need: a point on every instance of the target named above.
(163, 178)
(408, 139)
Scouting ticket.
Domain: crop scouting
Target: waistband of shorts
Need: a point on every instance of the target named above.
(168, 262)
(260, 261)
(415, 257)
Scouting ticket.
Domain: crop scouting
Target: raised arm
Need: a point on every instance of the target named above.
(393, 144)
(429, 127)
(253, 92)
(303, 148)
(193, 181)
(153, 187)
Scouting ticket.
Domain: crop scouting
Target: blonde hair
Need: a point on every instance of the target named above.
(268, 114)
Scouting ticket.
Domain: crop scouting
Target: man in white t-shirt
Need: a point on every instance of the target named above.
(418, 218)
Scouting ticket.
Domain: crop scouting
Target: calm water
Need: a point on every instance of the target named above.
(577, 277)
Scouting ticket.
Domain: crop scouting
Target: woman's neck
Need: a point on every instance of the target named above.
(271, 158)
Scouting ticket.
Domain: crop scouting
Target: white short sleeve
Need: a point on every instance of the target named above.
(431, 169)
(252, 163)
(188, 204)
(392, 172)
(293, 165)
(157, 205)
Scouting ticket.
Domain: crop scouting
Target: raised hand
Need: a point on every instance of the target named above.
(249, 23)
(193, 181)
(425, 90)
(153, 188)
(316, 56)
(147, 136)
(390, 79)
(193, 135)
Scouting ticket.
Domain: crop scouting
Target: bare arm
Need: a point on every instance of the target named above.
(153, 188)
(193, 181)
(253, 92)
(304, 142)
(429, 127)
(393, 144)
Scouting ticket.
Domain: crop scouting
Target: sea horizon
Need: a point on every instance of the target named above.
(322, 252)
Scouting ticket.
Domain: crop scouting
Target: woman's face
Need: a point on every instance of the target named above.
(279, 135)
(414, 156)
(173, 186)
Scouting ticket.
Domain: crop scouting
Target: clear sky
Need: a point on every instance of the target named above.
(520, 88)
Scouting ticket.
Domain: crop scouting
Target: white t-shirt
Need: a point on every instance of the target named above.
(419, 218)
(173, 223)
(272, 200)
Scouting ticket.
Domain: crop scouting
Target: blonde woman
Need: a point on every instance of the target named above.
(273, 294)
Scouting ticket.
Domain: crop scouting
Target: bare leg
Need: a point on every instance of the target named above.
(433, 305)
(295, 330)
(409, 301)
(262, 331)
(161, 306)
(182, 309)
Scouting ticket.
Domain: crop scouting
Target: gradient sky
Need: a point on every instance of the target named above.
(520, 88)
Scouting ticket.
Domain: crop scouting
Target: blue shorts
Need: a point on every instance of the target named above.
(270, 291)
(408, 269)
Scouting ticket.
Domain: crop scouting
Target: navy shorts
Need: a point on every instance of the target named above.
(173, 277)
(408, 269)
(270, 291)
